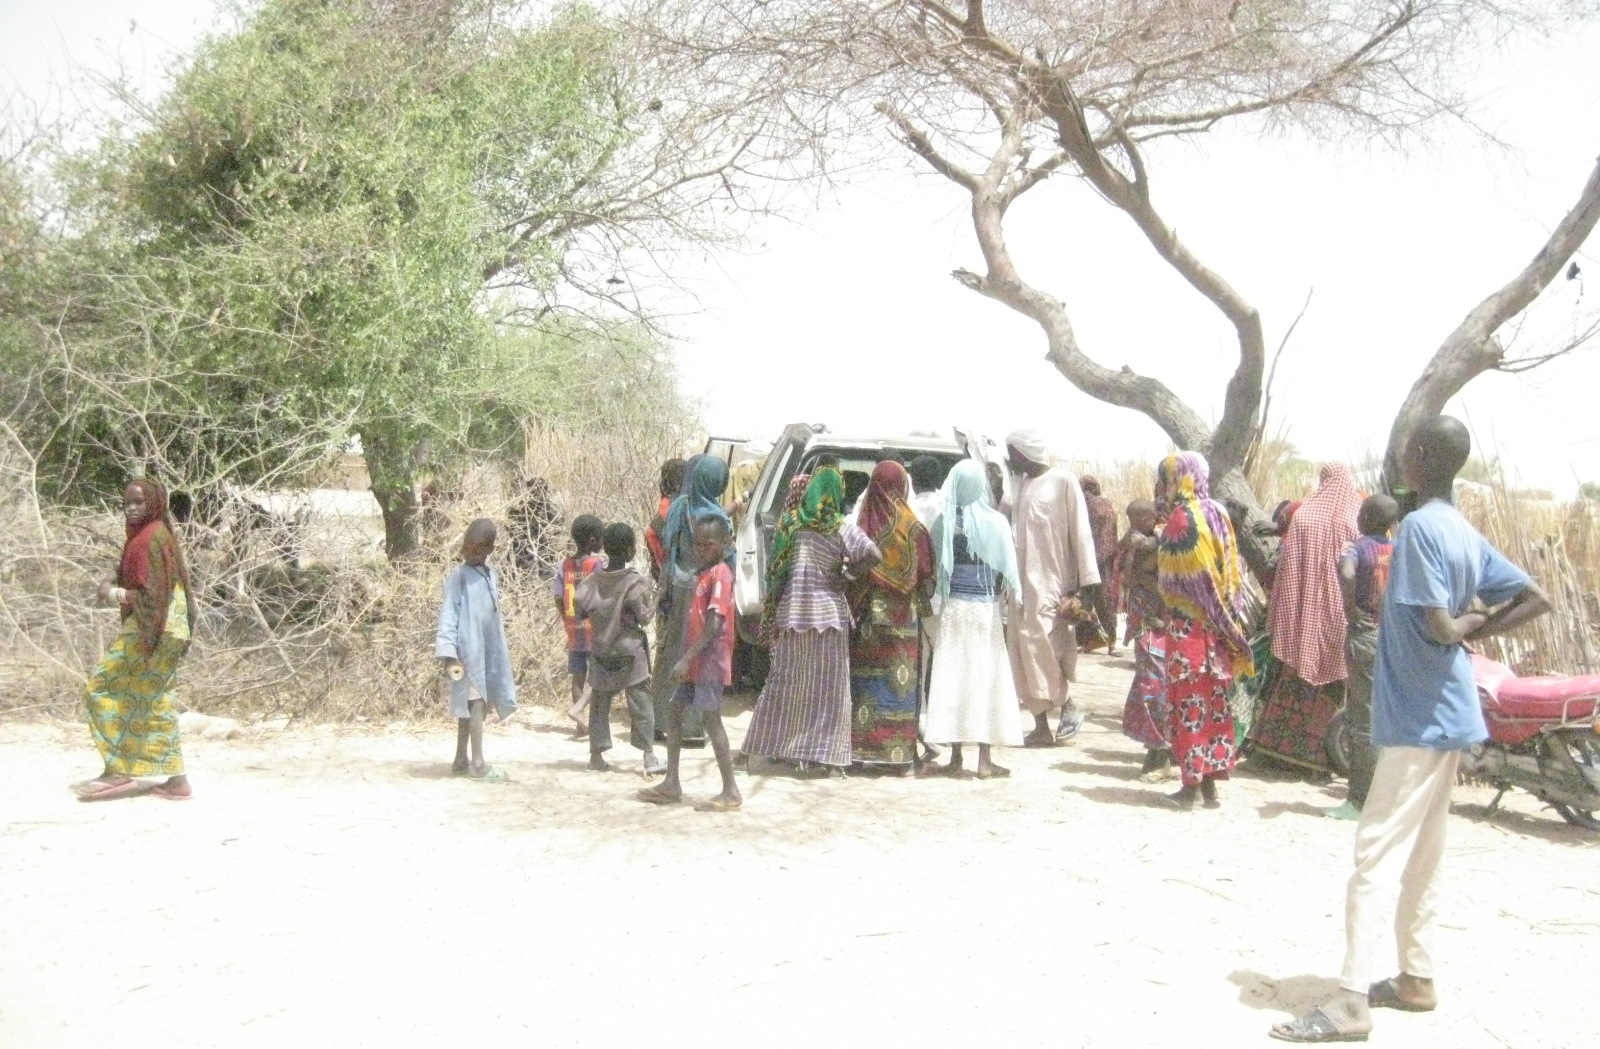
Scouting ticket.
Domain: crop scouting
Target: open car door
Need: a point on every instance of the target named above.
(760, 520)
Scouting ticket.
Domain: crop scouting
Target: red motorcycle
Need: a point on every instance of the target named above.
(1542, 738)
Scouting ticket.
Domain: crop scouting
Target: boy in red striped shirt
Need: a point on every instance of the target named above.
(586, 536)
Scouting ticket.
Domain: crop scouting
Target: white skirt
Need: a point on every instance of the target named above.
(971, 698)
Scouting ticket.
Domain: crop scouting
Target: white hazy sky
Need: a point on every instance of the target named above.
(850, 318)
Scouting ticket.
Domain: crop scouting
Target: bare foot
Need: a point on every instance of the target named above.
(458, 767)
(598, 764)
(992, 771)
(930, 769)
(176, 788)
(720, 803)
(1039, 737)
(661, 794)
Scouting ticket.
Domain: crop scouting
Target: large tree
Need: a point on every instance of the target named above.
(326, 223)
(1004, 97)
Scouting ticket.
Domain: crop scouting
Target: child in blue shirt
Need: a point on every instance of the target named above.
(472, 637)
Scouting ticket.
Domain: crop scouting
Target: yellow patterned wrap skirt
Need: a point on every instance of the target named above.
(132, 717)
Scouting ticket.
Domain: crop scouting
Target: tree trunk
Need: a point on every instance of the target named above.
(1472, 348)
(393, 469)
(402, 520)
(1232, 489)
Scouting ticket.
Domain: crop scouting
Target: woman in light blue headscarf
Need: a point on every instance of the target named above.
(971, 698)
(704, 479)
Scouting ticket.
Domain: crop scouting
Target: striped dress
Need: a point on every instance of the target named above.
(803, 713)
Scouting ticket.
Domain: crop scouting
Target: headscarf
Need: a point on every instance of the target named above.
(704, 481)
(1102, 522)
(1198, 556)
(1031, 445)
(151, 565)
(818, 512)
(1306, 610)
(889, 522)
(966, 490)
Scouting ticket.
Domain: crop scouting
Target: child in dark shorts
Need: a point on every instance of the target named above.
(617, 605)
(586, 530)
(705, 669)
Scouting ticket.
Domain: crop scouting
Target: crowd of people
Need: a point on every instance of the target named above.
(934, 610)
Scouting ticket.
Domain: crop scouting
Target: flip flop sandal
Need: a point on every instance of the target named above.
(88, 786)
(131, 789)
(494, 775)
(655, 797)
(169, 795)
(1385, 995)
(717, 805)
(1314, 1027)
(993, 772)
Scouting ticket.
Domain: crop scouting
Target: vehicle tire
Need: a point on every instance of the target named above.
(1336, 744)
(1585, 753)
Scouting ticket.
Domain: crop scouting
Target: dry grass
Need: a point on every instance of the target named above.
(337, 634)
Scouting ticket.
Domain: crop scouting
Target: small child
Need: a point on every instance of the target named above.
(1144, 714)
(586, 529)
(1363, 576)
(471, 647)
(705, 669)
(616, 605)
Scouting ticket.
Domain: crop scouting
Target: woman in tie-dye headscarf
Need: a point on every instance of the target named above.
(1202, 585)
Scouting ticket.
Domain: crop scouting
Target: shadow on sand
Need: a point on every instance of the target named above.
(1143, 799)
(1291, 994)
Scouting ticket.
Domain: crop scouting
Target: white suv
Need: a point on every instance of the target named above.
(798, 451)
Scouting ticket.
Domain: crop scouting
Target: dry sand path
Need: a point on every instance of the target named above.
(338, 888)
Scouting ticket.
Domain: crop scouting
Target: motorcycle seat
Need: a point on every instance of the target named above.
(1553, 698)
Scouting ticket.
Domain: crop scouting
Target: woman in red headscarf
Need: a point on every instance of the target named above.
(888, 605)
(1305, 685)
(131, 714)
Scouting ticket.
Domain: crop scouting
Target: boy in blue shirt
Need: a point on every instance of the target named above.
(470, 645)
(1425, 711)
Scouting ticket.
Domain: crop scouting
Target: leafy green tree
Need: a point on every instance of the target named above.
(320, 230)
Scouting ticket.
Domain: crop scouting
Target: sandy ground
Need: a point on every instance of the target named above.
(339, 888)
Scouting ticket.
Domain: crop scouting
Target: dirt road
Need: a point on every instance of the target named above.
(339, 888)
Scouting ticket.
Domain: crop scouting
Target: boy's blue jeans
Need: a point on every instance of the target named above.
(640, 710)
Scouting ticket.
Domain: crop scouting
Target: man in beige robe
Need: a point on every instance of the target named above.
(1055, 559)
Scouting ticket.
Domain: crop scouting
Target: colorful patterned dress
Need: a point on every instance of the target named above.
(888, 603)
(1199, 719)
(803, 712)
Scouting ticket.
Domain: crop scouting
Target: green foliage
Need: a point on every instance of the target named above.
(1590, 490)
(294, 244)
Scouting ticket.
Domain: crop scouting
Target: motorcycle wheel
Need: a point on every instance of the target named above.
(1577, 817)
(1336, 744)
(1586, 754)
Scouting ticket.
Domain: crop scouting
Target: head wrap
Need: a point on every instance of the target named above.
(888, 520)
(1090, 484)
(703, 485)
(1030, 445)
(1306, 610)
(1198, 556)
(818, 512)
(966, 492)
(151, 566)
